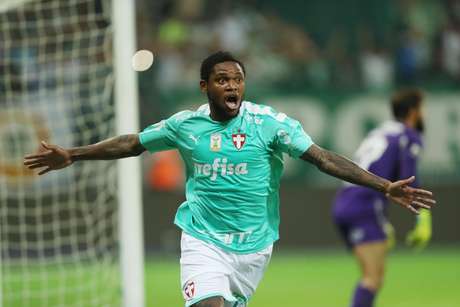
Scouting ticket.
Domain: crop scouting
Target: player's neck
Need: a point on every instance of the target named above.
(219, 116)
(410, 122)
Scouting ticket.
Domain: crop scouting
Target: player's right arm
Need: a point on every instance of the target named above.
(157, 137)
(53, 157)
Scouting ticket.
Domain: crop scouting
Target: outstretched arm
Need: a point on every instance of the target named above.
(338, 166)
(54, 157)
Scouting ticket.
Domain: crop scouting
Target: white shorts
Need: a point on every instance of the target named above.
(209, 271)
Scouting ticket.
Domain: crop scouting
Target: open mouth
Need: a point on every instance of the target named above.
(232, 101)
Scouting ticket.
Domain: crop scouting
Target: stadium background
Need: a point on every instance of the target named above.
(332, 65)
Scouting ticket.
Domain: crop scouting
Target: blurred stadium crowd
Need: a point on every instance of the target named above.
(319, 44)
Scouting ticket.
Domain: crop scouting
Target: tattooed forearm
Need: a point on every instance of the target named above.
(114, 148)
(343, 168)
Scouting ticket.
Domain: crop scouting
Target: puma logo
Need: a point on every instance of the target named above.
(195, 139)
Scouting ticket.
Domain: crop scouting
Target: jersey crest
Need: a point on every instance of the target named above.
(189, 290)
(238, 140)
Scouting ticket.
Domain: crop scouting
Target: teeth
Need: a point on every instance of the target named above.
(231, 104)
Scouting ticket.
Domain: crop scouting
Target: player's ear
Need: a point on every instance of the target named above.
(203, 86)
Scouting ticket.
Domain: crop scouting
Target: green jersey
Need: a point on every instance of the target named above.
(233, 172)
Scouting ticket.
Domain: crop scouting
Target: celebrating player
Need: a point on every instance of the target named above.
(360, 213)
(233, 154)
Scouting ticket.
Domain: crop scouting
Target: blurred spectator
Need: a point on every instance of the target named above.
(425, 19)
(450, 46)
(344, 72)
(406, 59)
(318, 71)
(232, 32)
(420, 35)
(376, 69)
(375, 63)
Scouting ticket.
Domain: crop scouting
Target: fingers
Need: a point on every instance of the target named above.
(38, 155)
(44, 171)
(413, 205)
(421, 205)
(41, 154)
(409, 180)
(29, 162)
(421, 192)
(37, 165)
(423, 202)
(405, 181)
(426, 200)
(44, 144)
(421, 196)
(39, 160)
(33, 161)
(413, 210)
(404, 204)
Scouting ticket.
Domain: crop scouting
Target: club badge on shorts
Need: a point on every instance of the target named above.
(238, 140)
(189, 290)
(216, 142)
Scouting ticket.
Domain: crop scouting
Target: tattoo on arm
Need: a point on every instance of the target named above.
(343, 168)
(122, 146)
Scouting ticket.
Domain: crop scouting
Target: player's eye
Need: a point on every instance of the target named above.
(221, 80)
(238, 80)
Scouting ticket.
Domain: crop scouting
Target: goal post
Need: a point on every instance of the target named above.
(129, 174)
(72, 237)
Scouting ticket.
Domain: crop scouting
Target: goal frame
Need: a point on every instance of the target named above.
(129, 171)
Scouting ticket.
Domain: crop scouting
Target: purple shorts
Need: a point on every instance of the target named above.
(356, 228)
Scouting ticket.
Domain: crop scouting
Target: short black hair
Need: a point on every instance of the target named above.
(405, 100)
(219, 57)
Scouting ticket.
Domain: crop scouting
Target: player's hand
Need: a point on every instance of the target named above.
(421, 234)
(49, 157)
(411, 198)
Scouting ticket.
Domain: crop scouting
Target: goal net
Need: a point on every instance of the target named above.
(58, 232)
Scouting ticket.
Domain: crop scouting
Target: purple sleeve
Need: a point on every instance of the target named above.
(409, 154)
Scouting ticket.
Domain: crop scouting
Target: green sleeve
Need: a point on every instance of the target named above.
(162, 135)
(289, 137)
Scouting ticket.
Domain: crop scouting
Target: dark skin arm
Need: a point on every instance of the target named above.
(399, 192)
(54, 157)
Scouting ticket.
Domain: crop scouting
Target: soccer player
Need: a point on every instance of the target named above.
(233, 154)
(389, 151)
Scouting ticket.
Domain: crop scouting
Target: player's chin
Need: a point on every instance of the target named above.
(231, 113)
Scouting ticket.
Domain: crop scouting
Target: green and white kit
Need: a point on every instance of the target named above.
(230, 218)
(233, 171)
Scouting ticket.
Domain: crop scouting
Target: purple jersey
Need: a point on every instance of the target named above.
(389, 151)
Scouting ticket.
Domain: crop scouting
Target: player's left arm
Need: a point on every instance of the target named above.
(399, 192)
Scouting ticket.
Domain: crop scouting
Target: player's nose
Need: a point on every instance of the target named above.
(232, 85)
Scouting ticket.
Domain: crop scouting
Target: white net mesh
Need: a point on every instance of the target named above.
(59, 231)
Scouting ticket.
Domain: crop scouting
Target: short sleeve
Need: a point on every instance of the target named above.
(291, 138)
(409, 153)
(162, 135)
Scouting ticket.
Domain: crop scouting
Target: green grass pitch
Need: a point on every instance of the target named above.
(326, 279)
(301, 279)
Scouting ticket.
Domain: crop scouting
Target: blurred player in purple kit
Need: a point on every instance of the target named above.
(390, 151)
